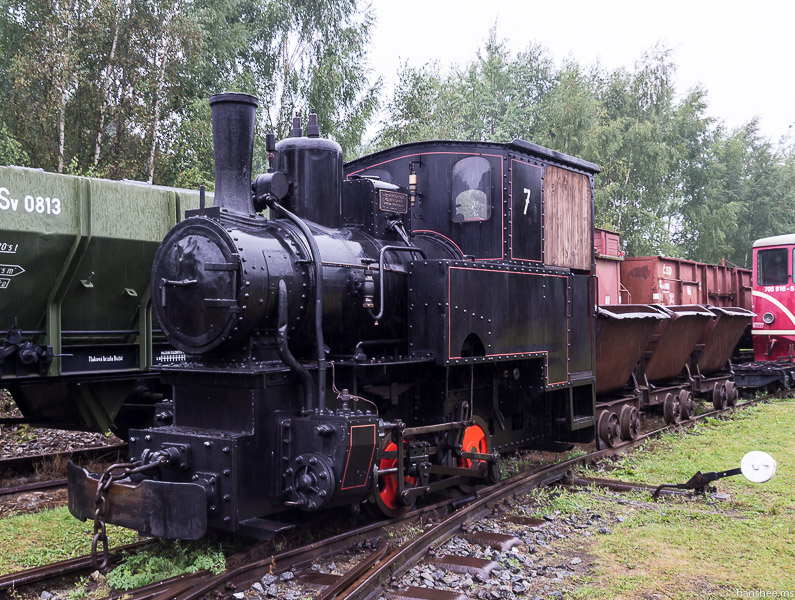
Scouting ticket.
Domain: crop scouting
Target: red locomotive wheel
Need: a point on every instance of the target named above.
(386, 496)
(476, 439)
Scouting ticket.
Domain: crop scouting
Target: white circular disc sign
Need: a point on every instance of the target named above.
(758, 467)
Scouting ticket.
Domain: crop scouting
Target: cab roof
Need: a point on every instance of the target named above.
(776, 240)
(517, 145)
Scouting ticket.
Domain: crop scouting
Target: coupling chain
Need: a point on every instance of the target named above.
(113, 473)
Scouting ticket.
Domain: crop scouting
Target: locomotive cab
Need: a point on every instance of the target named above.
(773, 298)
(521, 217)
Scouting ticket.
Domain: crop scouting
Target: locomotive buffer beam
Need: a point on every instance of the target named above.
(154, 508)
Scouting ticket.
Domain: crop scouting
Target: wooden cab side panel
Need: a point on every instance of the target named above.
(568, 219)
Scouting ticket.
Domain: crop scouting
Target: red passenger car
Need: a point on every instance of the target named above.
(774, 297)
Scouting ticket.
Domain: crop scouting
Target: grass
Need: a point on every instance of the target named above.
(688, 549)
(166, 559)
(522, 460)
(721, 444)
(36, 539)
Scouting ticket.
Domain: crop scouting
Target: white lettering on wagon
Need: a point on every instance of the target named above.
(8, 271)
(11, 270)
(32, 204)
(111, 358)
(170, 356)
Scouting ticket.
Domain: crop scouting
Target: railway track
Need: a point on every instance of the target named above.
(72, 566)
(24, 465)
(377, 573)
(378, 580)
(27, 464)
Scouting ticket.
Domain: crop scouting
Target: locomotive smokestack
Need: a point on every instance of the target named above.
(233, 143)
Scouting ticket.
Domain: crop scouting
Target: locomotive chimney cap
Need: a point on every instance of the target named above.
(234, 97)
(297, 131)
(312, 130)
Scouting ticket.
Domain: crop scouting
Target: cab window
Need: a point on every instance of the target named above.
(772, 267)
(471, 197)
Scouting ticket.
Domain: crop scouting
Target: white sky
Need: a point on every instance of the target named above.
(741, 52)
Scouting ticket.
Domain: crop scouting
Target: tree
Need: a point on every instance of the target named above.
(40, 77)
(311, 55)
(673, 181)
(115, 89)
(569, 112)
(761, 176)
(495, 97)
(11, 152)
(413, 111)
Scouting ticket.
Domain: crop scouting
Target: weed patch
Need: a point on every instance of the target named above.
(166, 559)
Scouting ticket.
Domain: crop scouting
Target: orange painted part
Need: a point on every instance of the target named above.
(475, 440)
(388, 492)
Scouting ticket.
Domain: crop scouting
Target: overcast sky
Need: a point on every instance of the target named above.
(740, 51)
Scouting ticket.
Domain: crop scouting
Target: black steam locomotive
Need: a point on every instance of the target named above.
(393, 325)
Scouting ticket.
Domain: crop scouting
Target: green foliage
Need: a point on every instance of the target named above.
(495, 97)
(673, 180)
(304, 55)
(80, 589)
(11, 152)
(119, 88)
(167, 559)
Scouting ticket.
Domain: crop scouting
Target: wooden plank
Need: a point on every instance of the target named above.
(567, 219)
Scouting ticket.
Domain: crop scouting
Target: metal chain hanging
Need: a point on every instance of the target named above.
(113, 473)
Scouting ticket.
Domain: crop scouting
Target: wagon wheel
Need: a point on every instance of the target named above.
(385, 493)
(687, 404)
(732, 393)
(476, 439)
(629, 419)
(609, 428)
(720, 398)
(672, 409)
(692, 401)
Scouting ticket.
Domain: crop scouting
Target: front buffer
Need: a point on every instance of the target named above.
(184, 481)
(161, 509)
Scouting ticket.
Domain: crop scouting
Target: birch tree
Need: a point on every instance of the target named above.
(119, 10)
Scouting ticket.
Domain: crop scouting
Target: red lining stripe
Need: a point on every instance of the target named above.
(369, 466)
(545, 353)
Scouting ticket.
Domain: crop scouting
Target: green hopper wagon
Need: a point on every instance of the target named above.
(75, 313)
